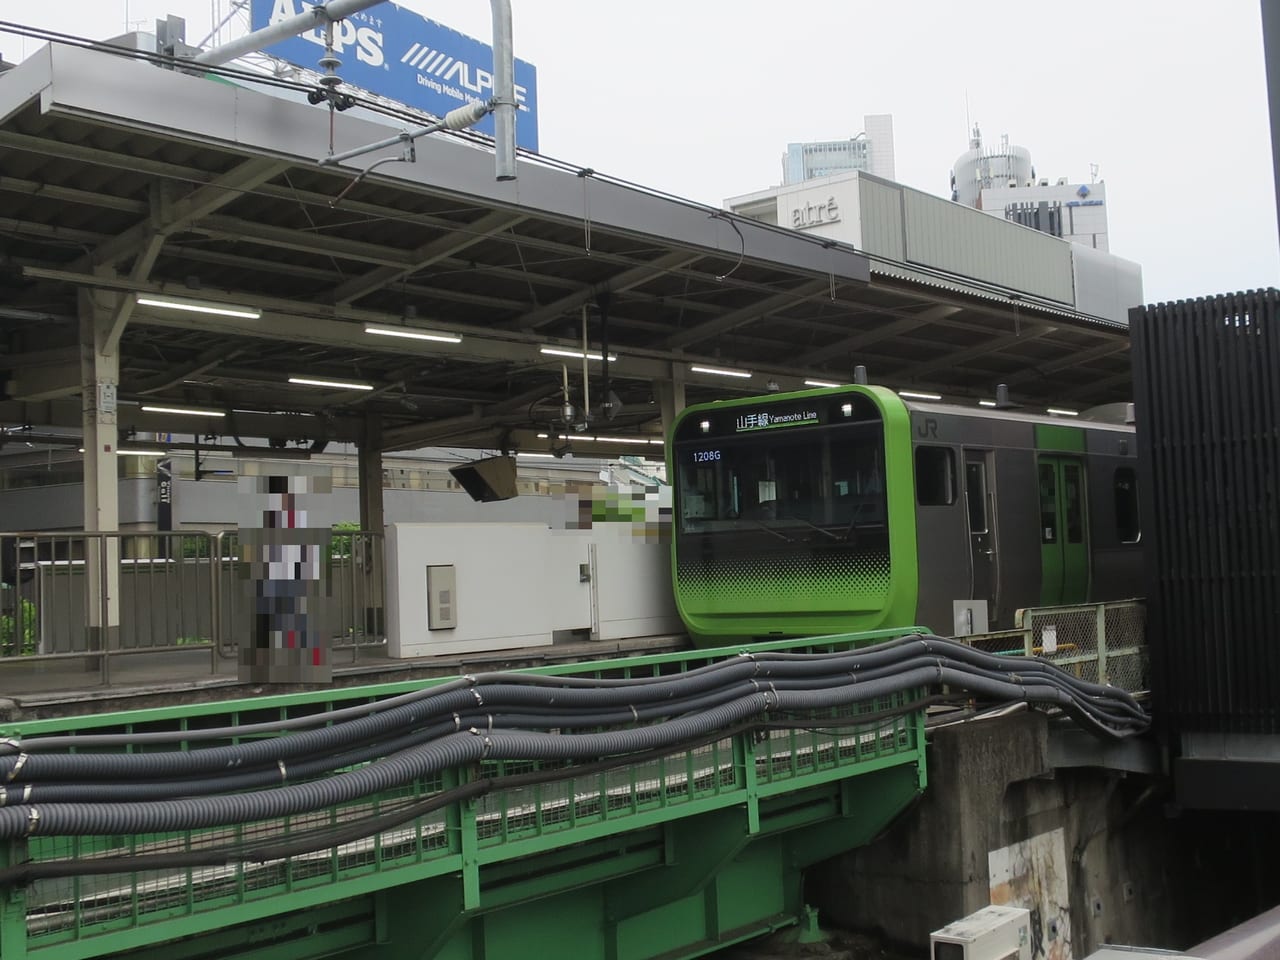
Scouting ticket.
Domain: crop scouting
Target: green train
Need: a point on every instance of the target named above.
(851, 508)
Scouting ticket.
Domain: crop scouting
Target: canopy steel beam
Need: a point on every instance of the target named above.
(735, 318)
(45, 147)
(620, 283)
(867, 337)
(466, 235)
(1071, 359)
(918, 370)
(180, 214)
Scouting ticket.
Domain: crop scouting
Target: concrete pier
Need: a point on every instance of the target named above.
(1100, 856)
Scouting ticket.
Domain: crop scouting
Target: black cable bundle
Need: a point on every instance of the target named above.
(343, 755)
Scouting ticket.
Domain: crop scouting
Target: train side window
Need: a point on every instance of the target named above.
(935, 476)
(1048, 504)
(1128, 521)
(1073, 493)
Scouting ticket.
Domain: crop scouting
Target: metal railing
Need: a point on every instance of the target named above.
(95, 596)
(1102, 642)
(90, 915)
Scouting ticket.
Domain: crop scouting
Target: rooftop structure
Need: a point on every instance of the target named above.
(871, 150)
(1002, 181)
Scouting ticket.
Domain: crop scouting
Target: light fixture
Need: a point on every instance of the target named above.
(914, 395)
(720, 371)
(1063, 412)
(575, 354)
(409, 333)
(337, 384)
(820, 383)
(599, 439)
(197, 306)
(184, 411)
(986, 403)
(541, 456)
(142, 453)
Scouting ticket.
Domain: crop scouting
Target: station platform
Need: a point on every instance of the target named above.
(73, 687)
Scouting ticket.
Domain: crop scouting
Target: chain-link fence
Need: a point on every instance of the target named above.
(1102, 643)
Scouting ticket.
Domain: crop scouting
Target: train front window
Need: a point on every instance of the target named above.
(826, 478)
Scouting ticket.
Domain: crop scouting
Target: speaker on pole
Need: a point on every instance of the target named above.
(493, 478)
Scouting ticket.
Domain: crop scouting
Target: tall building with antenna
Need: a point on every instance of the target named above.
(1001, 180)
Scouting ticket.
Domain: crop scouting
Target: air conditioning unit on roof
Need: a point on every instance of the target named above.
(993, 933)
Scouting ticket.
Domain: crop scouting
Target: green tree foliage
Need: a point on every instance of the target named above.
(17, 626)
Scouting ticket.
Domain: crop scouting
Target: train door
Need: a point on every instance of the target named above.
(1064, 534)
(982, 531)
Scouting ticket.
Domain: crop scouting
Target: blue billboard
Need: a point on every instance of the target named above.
(398, 54)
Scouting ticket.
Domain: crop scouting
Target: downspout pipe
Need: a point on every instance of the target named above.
(318, 16)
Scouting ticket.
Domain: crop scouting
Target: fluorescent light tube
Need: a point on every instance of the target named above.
(409, 333)
(337, 384)
(597, 439)
(914, 395)
(142, 453)
(1063, 412)
(575, 354)
(986, 403)
(820, 383)
(198, 306)
(720, 371)
(184, 411)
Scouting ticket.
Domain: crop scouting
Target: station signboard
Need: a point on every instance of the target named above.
(401, 55)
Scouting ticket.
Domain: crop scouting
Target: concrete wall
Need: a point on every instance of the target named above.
(1131, 871)
(1106, 285)
(61, 506)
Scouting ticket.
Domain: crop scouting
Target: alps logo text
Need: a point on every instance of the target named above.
(366, 40)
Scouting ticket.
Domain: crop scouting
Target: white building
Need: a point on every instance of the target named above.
(921, 236)
(871, 150)
(1001, 181)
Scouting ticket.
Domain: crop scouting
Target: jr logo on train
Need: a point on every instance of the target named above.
(854, 509)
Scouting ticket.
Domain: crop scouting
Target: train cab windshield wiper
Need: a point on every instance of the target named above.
(767, 529)
(813, 526)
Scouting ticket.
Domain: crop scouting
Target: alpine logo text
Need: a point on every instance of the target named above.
(436, 68)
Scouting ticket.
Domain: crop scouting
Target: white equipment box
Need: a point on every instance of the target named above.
(993, 933)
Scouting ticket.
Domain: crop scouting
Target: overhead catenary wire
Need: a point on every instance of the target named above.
(405, 114)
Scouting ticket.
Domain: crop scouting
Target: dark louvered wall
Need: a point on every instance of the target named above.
(1207, 396)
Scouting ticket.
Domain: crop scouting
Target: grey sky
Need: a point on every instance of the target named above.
(699, 98)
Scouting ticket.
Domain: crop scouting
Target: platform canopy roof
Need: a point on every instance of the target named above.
(121, 181)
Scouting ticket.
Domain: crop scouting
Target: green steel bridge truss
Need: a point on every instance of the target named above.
(670, 857)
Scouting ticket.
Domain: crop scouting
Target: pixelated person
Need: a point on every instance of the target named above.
(286, 570)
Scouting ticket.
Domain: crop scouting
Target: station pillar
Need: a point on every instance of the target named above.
(99, 379)
(670, 396)
(373, 521)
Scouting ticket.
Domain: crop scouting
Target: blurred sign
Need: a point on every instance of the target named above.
(398, 54)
